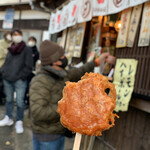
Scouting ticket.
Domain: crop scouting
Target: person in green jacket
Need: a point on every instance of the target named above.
(45, 92)
(4, 44)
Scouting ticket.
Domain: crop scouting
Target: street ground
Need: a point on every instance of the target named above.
(9, 140)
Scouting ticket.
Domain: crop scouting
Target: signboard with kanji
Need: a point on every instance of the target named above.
(100, 7)
(84, 11)
(58, 21)
(124, 78)
(65, 16)
(73, 13)
(115, 6)
(52, 23)
(145, 27)
(135, 17)
(123, 32)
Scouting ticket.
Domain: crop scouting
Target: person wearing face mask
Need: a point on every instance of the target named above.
(35, 56)
(45, 92)
(35, 53)
(18, 65)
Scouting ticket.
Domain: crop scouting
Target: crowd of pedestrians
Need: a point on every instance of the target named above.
(16, 59)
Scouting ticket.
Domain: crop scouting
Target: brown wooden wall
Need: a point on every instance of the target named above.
(131, 132)
(142, 54)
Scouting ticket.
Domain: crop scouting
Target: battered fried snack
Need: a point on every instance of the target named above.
(85, 106)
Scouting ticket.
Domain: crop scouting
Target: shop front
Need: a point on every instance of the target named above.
(123, 32)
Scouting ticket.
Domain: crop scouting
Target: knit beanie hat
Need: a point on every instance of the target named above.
(50, 52)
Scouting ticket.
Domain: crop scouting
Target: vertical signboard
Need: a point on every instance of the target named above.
(134, 25)
(123, 32)
(145, 27)
(115, 6)
(100, 7)
(124, 78)
(85, 10)
(9, 18)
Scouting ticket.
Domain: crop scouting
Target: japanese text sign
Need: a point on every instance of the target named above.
(135, 18)
(58, 21)
(52, 23)
(73, 13)
(100, 7)
(85, 10)
(115, 6)
(123, 32)
(145, 27)
(124, 78)
(65, 16)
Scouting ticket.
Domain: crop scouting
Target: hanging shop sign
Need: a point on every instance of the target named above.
(65, 16)
(124, 78)
(136, 2)
(52, 23)
(135, 18)
(123, 32)
(145, 27)
(73, 13)
(115, 6)
(79, 11)
(9, 18)
(100, 7)
(84, 11)
(58, 27)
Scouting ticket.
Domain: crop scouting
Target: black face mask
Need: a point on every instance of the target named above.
(64, 62)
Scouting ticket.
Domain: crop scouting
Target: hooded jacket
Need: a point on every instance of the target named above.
(45, 92)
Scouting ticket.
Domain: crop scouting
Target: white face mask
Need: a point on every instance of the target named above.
(17, 38)
(8, 37)
(31, 43)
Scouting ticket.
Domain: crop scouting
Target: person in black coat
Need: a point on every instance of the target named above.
(17, 67)
(35, 54)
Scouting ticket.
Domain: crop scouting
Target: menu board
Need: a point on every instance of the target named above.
(145, 27)
(124, 78)
(135, 17)
(123, 32)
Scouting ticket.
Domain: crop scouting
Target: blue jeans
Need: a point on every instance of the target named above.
(57, 144)
(10, 87)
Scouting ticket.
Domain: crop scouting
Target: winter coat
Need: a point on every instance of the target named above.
(35, 55)
(17, 66)
(45, 92)
(3, 50)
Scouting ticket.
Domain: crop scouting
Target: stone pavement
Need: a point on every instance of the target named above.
(9, 140)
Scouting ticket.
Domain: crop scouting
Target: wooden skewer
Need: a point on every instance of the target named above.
(77, 142)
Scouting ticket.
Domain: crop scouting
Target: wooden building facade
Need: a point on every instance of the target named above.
(132, 129)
